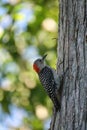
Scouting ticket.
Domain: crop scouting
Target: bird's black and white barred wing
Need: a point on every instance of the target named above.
(47, 79)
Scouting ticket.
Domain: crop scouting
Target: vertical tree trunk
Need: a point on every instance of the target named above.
(72, 50)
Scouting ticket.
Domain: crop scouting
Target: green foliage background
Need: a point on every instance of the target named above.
(19, 84)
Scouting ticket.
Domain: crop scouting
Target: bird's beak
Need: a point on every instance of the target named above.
(43, 58)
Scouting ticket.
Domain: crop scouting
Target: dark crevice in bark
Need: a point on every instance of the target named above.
(79, 105)
(63, 52)
(85, 20)
(67, 35)
(84, 53)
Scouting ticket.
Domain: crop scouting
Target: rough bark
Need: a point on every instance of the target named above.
(72, 50)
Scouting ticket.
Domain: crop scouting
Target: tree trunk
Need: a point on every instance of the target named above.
(72, 51)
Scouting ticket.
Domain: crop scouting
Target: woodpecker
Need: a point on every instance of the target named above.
(47, 78)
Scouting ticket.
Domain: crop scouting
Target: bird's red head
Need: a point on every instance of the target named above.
(39, 64)
(36, 68)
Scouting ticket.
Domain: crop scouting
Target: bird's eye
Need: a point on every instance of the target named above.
(40, 60)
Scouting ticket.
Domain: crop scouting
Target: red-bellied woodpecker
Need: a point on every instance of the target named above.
(47, 77)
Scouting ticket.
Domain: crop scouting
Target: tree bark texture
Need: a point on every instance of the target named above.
(72, 51)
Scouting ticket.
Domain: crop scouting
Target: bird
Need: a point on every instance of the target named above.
(48, 79)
